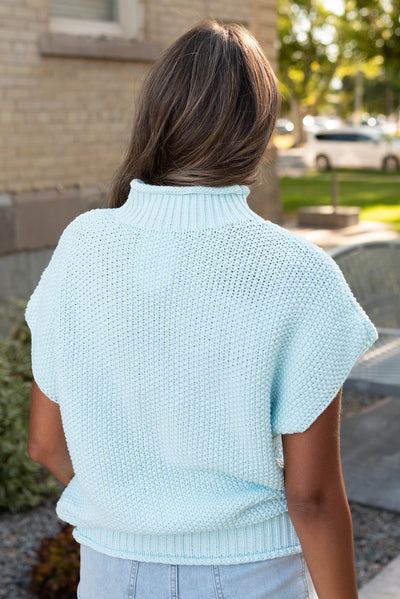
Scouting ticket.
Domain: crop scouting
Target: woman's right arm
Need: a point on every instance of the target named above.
(318, 505)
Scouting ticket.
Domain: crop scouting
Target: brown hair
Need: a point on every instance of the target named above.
(205, 114)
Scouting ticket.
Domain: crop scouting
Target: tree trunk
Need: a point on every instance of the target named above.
(358, 97)
(389, 100)
(296, 113)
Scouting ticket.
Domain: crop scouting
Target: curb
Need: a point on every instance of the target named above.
(385, 585)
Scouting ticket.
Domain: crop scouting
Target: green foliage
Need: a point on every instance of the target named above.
(55, 574)
(309, 51)
(24, 484)
(317, 45)
(374, 27)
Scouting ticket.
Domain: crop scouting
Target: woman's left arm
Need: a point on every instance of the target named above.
(46, 439)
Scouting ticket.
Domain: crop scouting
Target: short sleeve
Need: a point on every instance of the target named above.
(327, 333)
(42, 315)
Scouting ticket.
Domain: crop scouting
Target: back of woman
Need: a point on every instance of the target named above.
(194, 354)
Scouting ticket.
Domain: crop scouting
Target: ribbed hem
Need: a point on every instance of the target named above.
(275, 537)
(188, 208)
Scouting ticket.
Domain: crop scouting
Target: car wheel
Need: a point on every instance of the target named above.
(322, 162)
(390, 163)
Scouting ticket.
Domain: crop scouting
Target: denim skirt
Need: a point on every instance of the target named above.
(104, 577)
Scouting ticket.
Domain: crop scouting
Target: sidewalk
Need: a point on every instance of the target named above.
(386, 584)
(330, 238)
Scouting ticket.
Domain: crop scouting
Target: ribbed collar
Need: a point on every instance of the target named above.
(187, 208)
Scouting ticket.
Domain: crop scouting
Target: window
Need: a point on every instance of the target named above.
(105, 10)
(363, 137)
(94, 17)
(336, 136)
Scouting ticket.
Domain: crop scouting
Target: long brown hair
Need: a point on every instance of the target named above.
(205, 114)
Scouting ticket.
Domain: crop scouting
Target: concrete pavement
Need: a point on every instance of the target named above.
(330, 238)
(370, 449)
(385, 585)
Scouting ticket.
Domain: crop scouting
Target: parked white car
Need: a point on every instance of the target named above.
(351, 148)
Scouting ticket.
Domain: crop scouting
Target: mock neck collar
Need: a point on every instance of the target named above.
(186, 208)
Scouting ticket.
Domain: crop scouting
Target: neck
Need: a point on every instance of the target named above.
(187, 208)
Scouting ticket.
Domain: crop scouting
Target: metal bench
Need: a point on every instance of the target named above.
(372, 271)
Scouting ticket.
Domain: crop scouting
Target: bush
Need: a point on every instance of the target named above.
(55, 575)
(24, 484)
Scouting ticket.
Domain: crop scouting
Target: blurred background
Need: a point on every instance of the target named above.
(70, 72)
(339, 68)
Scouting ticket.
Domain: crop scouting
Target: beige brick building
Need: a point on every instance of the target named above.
(69, 74)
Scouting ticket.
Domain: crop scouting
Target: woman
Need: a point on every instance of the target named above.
(189, 356)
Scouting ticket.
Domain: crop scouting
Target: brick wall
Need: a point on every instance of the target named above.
(65, 120)
(62, 120)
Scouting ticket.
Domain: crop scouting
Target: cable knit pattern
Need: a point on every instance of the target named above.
(181, 335)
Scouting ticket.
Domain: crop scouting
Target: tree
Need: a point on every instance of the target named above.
(374, 28)
(317, 45)
(309, 54)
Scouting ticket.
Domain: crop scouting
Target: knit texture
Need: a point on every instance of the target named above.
(181, 335)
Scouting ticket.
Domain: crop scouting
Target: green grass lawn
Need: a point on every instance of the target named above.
(376, 193)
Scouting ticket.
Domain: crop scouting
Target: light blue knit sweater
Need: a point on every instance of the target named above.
(181, 334)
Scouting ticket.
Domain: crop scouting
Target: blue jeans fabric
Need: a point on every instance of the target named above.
(105, 577)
